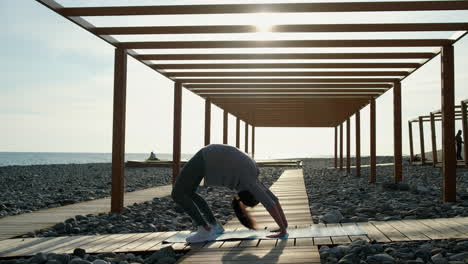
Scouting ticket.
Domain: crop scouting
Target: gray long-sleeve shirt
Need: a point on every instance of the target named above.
(229, 167)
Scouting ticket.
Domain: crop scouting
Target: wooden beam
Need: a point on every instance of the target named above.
(225, 127)
(291, 80)
(253, 142)
(397, 142)
(465, 130)
(286, 74)
(266, 8)
(204, 66)
(341, 146)
(433, 141)
(208, 91)
(290, 85)
(338, 43)
(305, 28)
(118, 131)
(358, 143)
(207, 122)
(410, 131)
(246, 134)
(421, 141)
(348, 146)
(177, 132)
(336, 147)
(238, 132)
(448, 126)
(289, 56)
(373, 167)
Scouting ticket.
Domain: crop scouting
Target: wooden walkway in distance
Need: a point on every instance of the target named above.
(17, 225)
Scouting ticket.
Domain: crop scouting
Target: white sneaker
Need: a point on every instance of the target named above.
(219, 229)
(202, 235)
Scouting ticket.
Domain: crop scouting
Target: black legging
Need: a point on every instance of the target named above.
(184, 191)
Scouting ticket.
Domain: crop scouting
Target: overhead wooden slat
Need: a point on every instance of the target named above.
(266, 8)
(288, 56)
(226, 29)
(287, 93)
(290, 85)
(292, 80)
(334, 43)
(198, 66)
(279, 90)
(286, 74)
(214, 97)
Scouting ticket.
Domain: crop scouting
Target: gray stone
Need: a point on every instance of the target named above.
(79, 252)
(167, 260)
(459, 256)
(439, 259)
(39, 258)
(100, 261)
(334, 216)
(380, 258)
(162, 253)
(53, 261)
(79, 261)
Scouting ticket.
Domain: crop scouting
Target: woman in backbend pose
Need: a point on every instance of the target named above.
(223, 165)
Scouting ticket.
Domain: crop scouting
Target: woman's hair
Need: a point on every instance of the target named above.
(239, 204)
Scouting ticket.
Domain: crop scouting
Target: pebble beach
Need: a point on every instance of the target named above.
(334, 197)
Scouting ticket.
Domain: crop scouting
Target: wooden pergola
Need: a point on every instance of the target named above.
(460, 113)
(280, 93)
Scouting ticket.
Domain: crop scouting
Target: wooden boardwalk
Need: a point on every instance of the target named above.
(14, 226)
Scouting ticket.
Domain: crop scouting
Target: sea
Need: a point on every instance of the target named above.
(42, 158)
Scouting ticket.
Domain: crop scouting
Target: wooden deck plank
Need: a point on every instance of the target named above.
(444, 231)
(145, 238)
(12, 226)
(391, 232)
(409, 232)
(429, 232)
(373, 233)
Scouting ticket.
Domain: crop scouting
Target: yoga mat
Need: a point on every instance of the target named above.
(304, 232)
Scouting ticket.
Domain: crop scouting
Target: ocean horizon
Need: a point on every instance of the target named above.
(47, 158)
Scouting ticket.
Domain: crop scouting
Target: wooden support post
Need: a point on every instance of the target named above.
(341, 146)
(410, 130)
(118, 130)
(253, 142)
(358, 143)
(465, 131)
(348, 146)
(433, 140)
(207, 122)
(336, 147)
(246, 137)
(237, 133)
(225, 127)
(421, 140)
(448, 126)
(177, 131)
(373, 167)
(397, 149)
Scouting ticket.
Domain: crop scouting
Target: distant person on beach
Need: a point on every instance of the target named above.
(459, 141)
(227, 166)
(152, 156)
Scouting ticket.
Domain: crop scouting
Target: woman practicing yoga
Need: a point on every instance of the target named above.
(223, 165)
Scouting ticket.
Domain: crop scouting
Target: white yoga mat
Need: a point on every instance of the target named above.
(304, 232)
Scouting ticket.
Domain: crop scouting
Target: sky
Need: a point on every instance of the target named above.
(57, 87)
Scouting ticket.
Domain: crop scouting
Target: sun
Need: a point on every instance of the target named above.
(264, 22)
